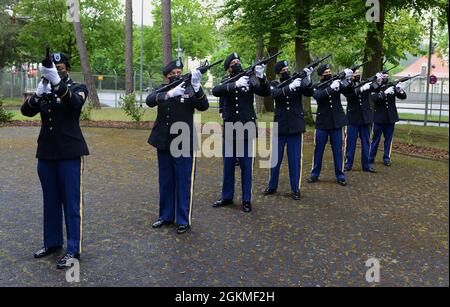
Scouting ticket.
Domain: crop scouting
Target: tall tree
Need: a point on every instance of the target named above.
(84, 60)
(9, 30)
(302, 51)
(129, 78)
(166, 23)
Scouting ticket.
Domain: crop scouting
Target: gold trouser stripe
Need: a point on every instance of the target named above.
(315, 133)
(81, 202)
(301, 165)
(253, 164)
(344, 136)
(192, 187)
(392, 141)
(271, 156)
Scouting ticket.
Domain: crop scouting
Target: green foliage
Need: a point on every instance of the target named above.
(86, 112)
(131, 108)
(196, 25)
(9, 32)
(47, 23)
(5, 116)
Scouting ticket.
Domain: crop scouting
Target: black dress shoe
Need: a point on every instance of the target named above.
(387, 163)
(183, 229)
(269, 191)
(313, 179)
(295, 195)
(67, 260)
(347, 168)
(342, 182)
(371, 170)
(160, 223)
(43, 252)
(222, 203)
(246, 206)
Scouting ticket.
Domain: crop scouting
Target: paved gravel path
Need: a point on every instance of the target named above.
(400, 216)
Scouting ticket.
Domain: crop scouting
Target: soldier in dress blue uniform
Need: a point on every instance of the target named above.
(60, 152)
(291, 125)
(359, 122)
(330, 122)
(237, 100)
(385, 117)
(176, 161)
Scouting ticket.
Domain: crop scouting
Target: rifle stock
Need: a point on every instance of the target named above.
(250, 70)
(301, 74)
(187, 78)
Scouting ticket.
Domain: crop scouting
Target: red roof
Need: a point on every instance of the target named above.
(420, 67)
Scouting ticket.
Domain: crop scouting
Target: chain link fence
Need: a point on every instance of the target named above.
(111, 88)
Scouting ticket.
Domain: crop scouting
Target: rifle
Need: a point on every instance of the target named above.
(249, 71)
(187, 78)
(47, 62)
(340, 75)
(374, 78)
(394, 83)
(302, 74)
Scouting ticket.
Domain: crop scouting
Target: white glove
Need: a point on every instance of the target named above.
(243, 82)
(308, 72)
(400, 86)
(295, 84)
(390, 91)
(348, 73)
(196, 76)
(259, 71)
(335, 85)
(365, 87)
(51, 74)
(43, 88)
(177, 91)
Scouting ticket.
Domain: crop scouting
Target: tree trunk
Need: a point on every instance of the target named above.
(259, 55)
(84, 60)
(166, 32)
(272, 48)
(302, 53)
(129, 76)
(373, 51)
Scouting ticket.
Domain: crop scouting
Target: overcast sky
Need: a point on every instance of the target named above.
(137, 7)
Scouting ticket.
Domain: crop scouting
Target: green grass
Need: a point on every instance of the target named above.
(12, 102)
(112, 114)
(434, 137)
(407, 116)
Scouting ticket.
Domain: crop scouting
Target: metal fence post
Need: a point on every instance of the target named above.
(12, 84)
(440, 105)
(115, 88)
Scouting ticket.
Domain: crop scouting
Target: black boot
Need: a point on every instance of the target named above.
(160, 223)
(313, 179)
(295, 195)
(67, 260)
(222, 203)
(246, 206)
(269, 191)
(44, 252)
(183, 229)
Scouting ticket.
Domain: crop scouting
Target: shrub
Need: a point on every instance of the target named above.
(5, 116)
(131, 108)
